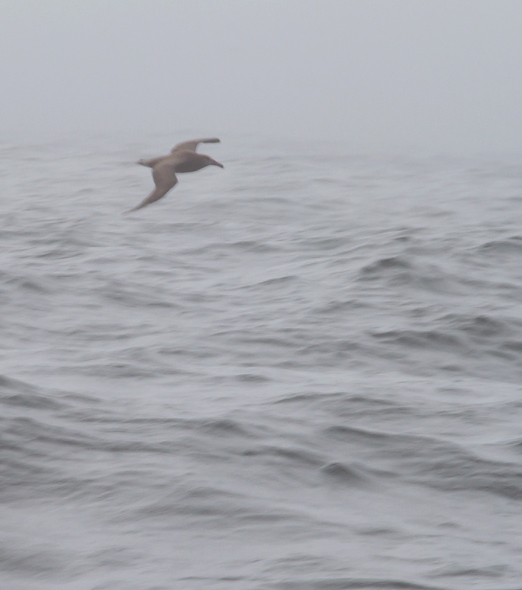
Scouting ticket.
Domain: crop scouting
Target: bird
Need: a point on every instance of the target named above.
(182, 158)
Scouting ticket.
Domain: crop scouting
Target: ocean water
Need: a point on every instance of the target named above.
(301, 372)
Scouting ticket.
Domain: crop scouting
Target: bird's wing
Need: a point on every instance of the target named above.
(164, 179)
(151, 162)
(192, 144)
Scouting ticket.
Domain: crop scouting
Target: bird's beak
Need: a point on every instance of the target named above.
(214, 163)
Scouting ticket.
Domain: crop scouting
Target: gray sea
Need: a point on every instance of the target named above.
(302, 372)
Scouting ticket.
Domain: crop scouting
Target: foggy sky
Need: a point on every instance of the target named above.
(433, 75)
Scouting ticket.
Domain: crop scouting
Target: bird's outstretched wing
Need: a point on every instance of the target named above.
(192, 144)
(164, 179)
(151, 162)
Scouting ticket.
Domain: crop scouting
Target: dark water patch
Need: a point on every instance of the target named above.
(513, 346)
(253, 246)
(118, 370)
(163, 225)
(424, 339)
(228, 428)
(355, 435)
(257, 247)
(134, 296)
(33, 562)
(301, 563)
(377, 532)
(352, 583)
(334, 308)
(339, 348)
(380, 268)
(400, 271)
(273, 283)
(30, 400)
(114, 557)
(26, 283)
(287, 456)
(33, 435)
(247, 338)
(246, 345)
(284, 467)
(216, 506)
(494, 571)
(432, 462)
(325, 244)
(20, 394)
(252, 378)
(343, 404)
(516, 445)
(27, 476)
(207, 501)
(511, 246)
(463, 471)
(82, 399)
(483, 327)
(60, 470)
(58, 253)
(345, 475)
(464, 336)
(324, 180)
(309, 398)
(132, 423)
(480, 345)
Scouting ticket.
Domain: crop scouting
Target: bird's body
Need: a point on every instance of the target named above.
(182, 158)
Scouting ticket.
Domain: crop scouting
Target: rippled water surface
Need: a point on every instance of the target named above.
(301, 372)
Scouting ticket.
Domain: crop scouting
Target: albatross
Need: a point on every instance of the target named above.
(182, 158)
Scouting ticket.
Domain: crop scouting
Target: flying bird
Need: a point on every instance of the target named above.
(182, 158)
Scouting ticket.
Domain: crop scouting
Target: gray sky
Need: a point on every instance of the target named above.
(433, 75)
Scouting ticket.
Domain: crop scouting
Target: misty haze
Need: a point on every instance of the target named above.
(377, 74)
(261, 291)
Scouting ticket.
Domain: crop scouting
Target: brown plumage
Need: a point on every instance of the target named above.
(182, 158)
